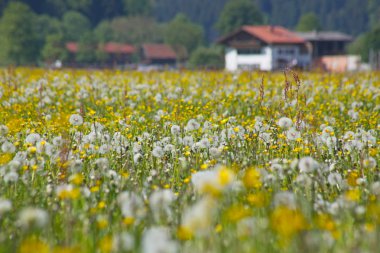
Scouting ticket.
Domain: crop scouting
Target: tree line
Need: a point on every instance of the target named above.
(34, 31)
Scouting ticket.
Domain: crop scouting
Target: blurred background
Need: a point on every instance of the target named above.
(110, 32)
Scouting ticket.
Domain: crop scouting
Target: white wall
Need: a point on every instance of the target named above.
(268, 58)
(260, 61)
(231, 59)
(353, 62)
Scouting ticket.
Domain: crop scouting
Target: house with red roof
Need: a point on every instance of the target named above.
(116, 53)
(158, 54)
(265, 48)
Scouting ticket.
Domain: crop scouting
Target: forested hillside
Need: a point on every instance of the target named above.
(351, 16)
(189, 26)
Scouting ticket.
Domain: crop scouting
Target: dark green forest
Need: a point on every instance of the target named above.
(191, 24)
(350, 16)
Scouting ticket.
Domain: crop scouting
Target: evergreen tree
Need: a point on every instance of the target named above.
(136, 30)
(103, 32)
(209, 58)
(54, 48)
(87, 48)
(75, 25)
(308, 22)
(181, 31)
(137, 7)
(19, 43)
(237, 13)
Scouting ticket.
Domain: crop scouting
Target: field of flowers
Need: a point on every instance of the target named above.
(97, 161)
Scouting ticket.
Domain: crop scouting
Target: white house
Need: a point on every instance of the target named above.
(265, 48)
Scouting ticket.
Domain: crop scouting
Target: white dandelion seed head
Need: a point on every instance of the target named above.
(76, 120)
(292, 134)
(33, 217)
(307, 165)
(8, 147)
(175, 130)
(285, 123)
(285, 199)
(3, 130)
(158, 152)
(157, 240)
(5, 206)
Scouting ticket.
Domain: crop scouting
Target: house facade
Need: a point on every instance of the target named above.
(114, 53)
(158, 54)
(326, 42)
(264, 48)
(329, 51)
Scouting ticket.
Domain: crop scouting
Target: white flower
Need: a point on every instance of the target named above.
(8, 147)
(57, 141)
(188, 141)
(123, 242)
(103, 149)
(307, 165)
(157, 240)
(11, 177)
(335, 178)
(265, 137)
(370, 163)
(3, 130)
(285, 199)
(102, 163)
(137, 157)
(292, 134)
(199, 217)
(285, 123)
(158, 152)
(30, 217)
(131, 204)
(76, 120)
(96, 127)
(327, 131)
(215, 152)
(159, 202)
(137, 147)
(375, 188)
(33, 138)
(5, 206)
(175, 130)
(64, 188)
(212, 181)
(169, 148)
(192, 125)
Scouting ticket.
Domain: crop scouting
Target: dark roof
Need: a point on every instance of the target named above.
(325, 36)
(112, 47)
(158, 51)
(268, 34)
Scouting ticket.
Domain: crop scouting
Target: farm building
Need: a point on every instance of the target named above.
(326, 42)
(158, 54)
(265, 48)
(115, 53)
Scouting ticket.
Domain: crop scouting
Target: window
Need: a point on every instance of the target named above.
(249, 51)
(286, 51)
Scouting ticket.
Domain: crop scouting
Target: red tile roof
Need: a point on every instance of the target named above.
(274, 34)
(158, 51)
(269, 34)
(112, 47)
(72, 47)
